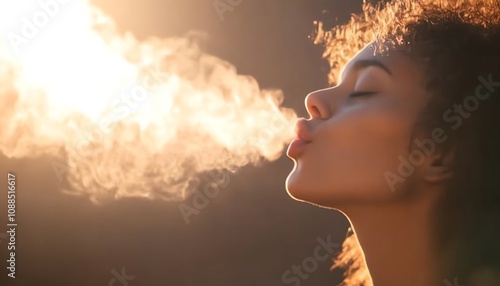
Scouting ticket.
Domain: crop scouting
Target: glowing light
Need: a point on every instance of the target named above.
(132, 118)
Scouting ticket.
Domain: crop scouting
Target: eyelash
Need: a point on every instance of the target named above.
(361, 93)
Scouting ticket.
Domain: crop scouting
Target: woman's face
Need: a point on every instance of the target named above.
(357, 131)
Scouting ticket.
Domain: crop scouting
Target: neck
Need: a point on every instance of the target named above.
(397, 241)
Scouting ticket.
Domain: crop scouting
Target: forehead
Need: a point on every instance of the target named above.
(401, 66)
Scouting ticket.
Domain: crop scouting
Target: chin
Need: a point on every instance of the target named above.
(306, 187)
(300, 190)
(294, 187)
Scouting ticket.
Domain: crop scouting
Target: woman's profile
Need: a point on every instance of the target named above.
(406, 143)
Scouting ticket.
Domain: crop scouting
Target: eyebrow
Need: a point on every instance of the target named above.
(369, 63)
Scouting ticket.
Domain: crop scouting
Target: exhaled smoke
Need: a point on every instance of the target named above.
(123, 117)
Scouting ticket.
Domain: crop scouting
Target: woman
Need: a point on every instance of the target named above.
(407, 143)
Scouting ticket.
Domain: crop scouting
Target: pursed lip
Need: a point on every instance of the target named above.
(302, 130)
(297, 146)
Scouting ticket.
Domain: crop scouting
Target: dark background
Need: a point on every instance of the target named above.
(249, 234)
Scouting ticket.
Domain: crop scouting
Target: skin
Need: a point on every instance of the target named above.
(354, 141)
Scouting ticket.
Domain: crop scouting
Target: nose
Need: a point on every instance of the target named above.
(318, 105)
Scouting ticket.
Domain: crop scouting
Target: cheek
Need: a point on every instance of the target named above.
(349, 156)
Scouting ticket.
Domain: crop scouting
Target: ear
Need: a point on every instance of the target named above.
(437, 167)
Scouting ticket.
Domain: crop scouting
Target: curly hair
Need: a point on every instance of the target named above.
(458, 45)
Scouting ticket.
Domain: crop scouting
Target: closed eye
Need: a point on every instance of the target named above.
(361, 93)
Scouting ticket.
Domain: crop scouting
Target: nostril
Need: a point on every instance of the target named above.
(315, 111)
(317, 103)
